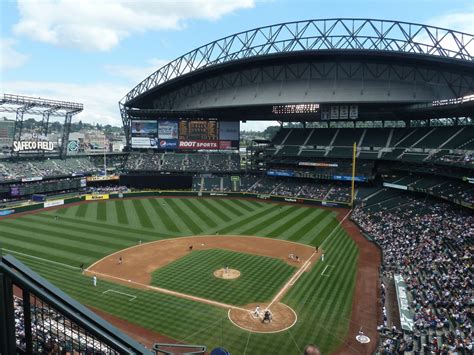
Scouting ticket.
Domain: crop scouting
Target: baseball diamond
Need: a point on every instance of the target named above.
(153, 241)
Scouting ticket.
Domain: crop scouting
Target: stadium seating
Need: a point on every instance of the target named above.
(429, 243)
(181, 162)
(408, 144)
(24, 169)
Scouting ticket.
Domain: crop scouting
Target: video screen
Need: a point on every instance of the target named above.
(144, 128)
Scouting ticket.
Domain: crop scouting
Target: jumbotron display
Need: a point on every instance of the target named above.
(182, 134)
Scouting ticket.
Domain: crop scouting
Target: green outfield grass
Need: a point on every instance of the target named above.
(84, 233)
(260, 279)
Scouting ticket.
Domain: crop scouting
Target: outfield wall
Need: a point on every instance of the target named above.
(100, 197)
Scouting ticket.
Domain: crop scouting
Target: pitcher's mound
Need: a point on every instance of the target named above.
(228, 275)
(283, 318)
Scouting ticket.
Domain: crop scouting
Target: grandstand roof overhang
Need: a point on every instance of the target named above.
(310, 75)
(314, 61)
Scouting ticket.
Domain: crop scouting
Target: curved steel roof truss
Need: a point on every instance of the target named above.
(325, 34)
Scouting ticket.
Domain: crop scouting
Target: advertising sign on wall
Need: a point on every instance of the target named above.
(6, 212)
(144, 142)
(334, 112)
(200, 144)
(53, 203)
(167, 143)
(97, 197)
(32, 145)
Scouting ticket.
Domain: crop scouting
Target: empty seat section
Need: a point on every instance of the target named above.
(375, 137)
(322, 136)
(280, 136)
(347, 137)
(297, 136)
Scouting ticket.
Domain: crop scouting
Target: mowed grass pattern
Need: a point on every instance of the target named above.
(84, 233)
(260, 277)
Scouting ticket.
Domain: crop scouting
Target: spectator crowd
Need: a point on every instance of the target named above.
(430, 244)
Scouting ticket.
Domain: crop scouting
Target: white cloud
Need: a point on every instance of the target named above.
(100, 99)
(101, 25)
(133, 73)
(459, 21)
(9, 57)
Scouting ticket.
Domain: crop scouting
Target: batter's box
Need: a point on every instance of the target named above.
(131, 297)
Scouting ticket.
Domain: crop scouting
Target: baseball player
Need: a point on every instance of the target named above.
(120, 260)
(257, 311)
(94, 280)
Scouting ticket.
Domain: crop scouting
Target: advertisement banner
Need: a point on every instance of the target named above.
(144, 142)
(97, 197)
(53, 203)
(200, 144)
(168, 143)
(103, 178)
(395, 186)
(287, 173)
(168, 130)
(406, 315)
(6, 212)
(32, 145)
(224, 145)
(33, 178)
(83, 182)
(229, 131)
(323, 165)
(334, 112)
(349, 178)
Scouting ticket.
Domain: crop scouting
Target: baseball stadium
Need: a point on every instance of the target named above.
(349, 231)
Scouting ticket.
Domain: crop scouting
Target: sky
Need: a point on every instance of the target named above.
(95, 51)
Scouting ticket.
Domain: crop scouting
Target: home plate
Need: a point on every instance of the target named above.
(363, 339)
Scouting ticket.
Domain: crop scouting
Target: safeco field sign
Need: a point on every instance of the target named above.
(32, 145)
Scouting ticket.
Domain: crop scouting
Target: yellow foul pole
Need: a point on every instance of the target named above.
(354, 151)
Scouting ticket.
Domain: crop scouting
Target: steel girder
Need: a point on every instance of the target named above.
(325, 34)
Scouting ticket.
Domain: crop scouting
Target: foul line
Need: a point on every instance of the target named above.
(305, 266)
(174, 293)
(338, 225)
(322, 274)
(292, 280)
(41, 259)
(132, 297)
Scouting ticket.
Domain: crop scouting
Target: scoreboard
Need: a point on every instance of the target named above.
(198, 130)
(184, 134)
